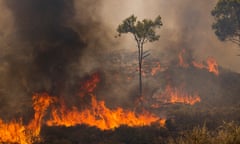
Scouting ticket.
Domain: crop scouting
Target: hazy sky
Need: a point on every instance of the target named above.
(186, 24)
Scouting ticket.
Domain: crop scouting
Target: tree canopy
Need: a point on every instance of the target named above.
(227, 20)
(143, 31)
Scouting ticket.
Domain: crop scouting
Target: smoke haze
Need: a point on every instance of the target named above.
(186, 24)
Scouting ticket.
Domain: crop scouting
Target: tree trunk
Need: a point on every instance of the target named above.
(140, 57)
(140, 79)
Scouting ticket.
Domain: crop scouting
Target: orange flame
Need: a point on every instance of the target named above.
(96, 115)
(89, 85)
(174, 95)
(198, 65)
(17, 132)
(156, 69)
(13, 132)
(181, 59)
(211, 66)
(40, 104)
(100, 116)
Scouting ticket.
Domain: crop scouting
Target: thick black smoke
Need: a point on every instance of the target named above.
(53, 44)
(47, 42)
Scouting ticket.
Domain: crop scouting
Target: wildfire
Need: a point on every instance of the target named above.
(13, 132)
(174, 95)
(89, 85)
(97, 114)
(100, 116)
(181, 59)
(40, 104)
(156, 69)
(211, 65)
(17, 132)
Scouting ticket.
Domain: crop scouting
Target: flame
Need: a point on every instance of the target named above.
(89, 85)
(198, 65)
(174, 95)
(40, 104)
(181, 59)
(156, 69)
(13, 132)
(100, 116)
(211, 66)
(17, 132)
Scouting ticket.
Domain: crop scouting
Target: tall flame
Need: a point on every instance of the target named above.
(181, 59)
(212, 65)
(40, 104)
(14, 132)
(17, 132)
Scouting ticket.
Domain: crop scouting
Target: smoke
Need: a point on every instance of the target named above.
(44, 43)
(52, 44)
(186, 25)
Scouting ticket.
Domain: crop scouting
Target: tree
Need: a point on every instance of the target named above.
(227, 20)
(142, 31)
